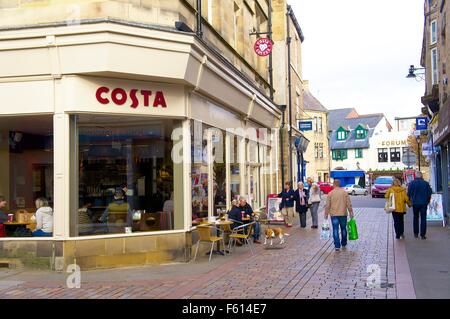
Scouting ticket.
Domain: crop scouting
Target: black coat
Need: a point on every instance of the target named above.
(299, 208)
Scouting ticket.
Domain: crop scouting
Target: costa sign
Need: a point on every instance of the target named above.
(263, 46)
(133, 98)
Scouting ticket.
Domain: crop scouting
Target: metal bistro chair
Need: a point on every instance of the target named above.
(242, 232)
(204, 233)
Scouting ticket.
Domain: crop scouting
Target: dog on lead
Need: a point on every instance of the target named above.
(272, 233)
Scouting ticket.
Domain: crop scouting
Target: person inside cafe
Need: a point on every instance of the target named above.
(3, 215)
(44, 218)
(117, 206)
(248, 213)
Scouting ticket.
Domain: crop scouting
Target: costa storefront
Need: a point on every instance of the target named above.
(131, 135)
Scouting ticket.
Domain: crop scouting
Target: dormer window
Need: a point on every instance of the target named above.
(361, 133)
(342, 134)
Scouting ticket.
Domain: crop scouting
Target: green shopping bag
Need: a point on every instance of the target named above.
(352, 230)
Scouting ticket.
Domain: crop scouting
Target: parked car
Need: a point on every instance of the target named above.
(325, 188)
(381, 185)
(354, 189)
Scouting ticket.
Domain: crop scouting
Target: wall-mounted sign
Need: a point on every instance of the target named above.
(305, 125)
(134, 97)
(263, 46)
(421, 124)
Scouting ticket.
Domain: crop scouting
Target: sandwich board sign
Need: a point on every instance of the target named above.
(273, 209)
(435, 211)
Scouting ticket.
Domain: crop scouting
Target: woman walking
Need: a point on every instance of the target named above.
(401, 199)
(301, 203)
(314, 203)
(287, 204)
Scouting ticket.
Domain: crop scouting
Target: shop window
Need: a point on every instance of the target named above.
(382, 155)
(127, 176)
(235, 172)
(26, 168)
(395, 154)
(199, 170)
(219, 171)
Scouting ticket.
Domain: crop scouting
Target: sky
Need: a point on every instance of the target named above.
(357, 53)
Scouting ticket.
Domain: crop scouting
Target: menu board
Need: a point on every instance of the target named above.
(273, 208)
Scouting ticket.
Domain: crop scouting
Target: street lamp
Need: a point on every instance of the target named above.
(413, 74)
(418, 149)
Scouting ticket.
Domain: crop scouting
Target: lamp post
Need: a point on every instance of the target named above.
(418, 150)
(413, 74)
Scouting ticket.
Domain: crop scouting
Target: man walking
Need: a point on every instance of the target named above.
(419, 192)
(287, 204)
(338, 206)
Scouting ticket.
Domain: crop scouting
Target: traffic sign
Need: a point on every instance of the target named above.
(421, 123)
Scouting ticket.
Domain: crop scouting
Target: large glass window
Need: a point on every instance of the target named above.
(199, 169)
(235, 177)
(127, 179)
(219, 171)
(26, 170)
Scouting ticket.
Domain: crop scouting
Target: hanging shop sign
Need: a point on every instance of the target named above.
(421, 124)
(305, 125)
(263, 46)
(132, 98)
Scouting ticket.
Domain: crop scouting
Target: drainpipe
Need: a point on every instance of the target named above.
(199, 31)
(270, 55)
(283, 110)
(288, 41)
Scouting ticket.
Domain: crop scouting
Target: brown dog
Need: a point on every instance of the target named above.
(271, 233)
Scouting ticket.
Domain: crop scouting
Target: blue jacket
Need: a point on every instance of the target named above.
(419, 191)
(247, 209)
(235, 213)
(287, 198)
(3, 217)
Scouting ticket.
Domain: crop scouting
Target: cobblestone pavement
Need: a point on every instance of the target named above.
(306, 267)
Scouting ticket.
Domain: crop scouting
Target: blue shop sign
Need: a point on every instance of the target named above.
(305, 125)
(421, 123)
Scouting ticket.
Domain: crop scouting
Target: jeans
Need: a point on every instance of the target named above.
(420, 211)
(339, 222)
(314, 208)
(40, 233)
(256, 231)
(302, 219)
(398, 223)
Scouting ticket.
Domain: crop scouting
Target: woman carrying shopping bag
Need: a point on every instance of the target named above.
(396, 203)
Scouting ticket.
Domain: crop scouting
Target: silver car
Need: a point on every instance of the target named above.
(354, 189)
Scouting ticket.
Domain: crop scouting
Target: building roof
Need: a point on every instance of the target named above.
(311, 103)
(340, 118)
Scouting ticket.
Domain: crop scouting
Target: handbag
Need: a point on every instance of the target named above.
(352, 230)
(389, 207)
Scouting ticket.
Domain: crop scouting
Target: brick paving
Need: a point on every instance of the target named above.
(306, 267)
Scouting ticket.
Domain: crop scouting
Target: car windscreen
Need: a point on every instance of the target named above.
(383, 180)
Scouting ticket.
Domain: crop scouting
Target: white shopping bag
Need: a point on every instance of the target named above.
(325, 231)
(390, 204)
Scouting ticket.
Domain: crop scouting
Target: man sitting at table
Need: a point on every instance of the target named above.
(248, 212)
(235, 214)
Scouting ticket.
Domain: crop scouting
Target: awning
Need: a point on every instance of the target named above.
(343, 174)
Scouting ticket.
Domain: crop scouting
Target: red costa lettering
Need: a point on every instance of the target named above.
(119, 97)
(99, 93)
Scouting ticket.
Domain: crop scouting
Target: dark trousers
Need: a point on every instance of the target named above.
(302, 219)
(399, 225)
(420, 211)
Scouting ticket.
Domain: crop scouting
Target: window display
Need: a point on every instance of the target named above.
(126, 176)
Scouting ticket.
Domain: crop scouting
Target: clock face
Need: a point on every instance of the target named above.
(263, 47)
